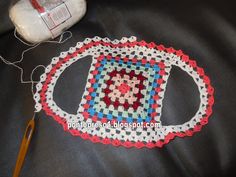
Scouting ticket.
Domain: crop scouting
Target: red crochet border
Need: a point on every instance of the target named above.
(128, 144)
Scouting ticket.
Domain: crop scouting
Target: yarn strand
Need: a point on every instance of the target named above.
(32, 46)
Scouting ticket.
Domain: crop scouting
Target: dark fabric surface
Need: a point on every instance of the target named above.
(6, 24)
(206, 30)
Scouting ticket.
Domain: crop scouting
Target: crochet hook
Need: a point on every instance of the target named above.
(24, 147)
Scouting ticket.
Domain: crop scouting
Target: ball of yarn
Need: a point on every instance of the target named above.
(31, 21)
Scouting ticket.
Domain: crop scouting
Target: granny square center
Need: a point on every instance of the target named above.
(122, 90)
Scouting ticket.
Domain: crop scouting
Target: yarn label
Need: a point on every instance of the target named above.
(54, 13)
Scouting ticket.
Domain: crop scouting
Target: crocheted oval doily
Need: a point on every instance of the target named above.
(126, 84)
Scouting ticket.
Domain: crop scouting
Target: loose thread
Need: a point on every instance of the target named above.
(32, 46)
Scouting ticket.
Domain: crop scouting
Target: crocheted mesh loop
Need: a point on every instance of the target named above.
(126, 83)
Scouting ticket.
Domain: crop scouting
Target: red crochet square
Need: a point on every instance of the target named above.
(124, 89)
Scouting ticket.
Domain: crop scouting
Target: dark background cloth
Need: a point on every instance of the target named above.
(4, 18)
(205, 30)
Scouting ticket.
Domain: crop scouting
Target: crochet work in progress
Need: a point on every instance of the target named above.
(126, 84)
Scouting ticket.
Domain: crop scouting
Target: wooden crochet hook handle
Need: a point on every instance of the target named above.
(24, 147)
